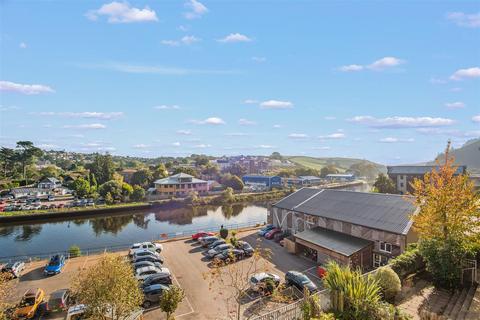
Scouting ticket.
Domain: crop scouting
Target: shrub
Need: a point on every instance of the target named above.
(389, 282)
(408, 262)
(74, 251)
(223, 232)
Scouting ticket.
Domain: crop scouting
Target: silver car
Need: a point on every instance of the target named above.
(14, 268)
(141, 264)
(143, 273)
(218, 249)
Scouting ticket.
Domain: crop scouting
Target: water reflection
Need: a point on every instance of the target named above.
(111, 225)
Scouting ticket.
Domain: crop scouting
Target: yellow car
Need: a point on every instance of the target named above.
(29, 304)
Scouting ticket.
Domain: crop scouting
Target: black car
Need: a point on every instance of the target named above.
(161, 278)
(230, 255)
(300, 281)
(149, 258)
(246, 247)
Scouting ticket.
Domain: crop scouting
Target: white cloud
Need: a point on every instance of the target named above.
(246, 122)
(140, 146)
(322, 148)
(235, 37)
(330, 118)
(449, 132)
(184, 132)
(265, 146)
(196, 9)
(336, 135)
(28, 89)
(47, 146)
(476, 118)
(465, 20)
(185, 40)
(351, 67)
(176, 144)
(211, 120)
(8, 108)
(84, 115)
(378, 65)
(122, 12)
(259, 59)
(202, 146)
(463, 74)
(298, 136)
(250, 101)
(22, 45)
(277, 126)
(435, 80)
(86, 126)
(237, 134)
(276, 104)
(183, 28)
(402, 122)
(167, 107)
(455, 105)
(395, 140)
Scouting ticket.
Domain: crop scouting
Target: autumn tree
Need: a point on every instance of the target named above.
(108, 289)
(170, 300)
(447, 221)
(5, 290)
(384, 184)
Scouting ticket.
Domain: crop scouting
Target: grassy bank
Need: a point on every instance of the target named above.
(239, 198)
(74, 209)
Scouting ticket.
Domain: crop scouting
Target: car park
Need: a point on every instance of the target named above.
(14, 268)
(260, 282)
(161, 278)
(300, 281)
(216, 243)
(55, 265)
(152, 294)
(230, 255)
(145, 272)
(142, 264)
(29, 305)
(202, 234)
(265, 230)
(155, 247)
(149, 258)
(58, 301)
(205, 241)
(218, 249)
(143, 253)
(270, 234)
(246, 247)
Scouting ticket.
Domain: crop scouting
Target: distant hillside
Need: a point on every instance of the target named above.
(468, 154)
(372, 169)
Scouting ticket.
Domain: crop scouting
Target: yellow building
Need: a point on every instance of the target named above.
(180, 184)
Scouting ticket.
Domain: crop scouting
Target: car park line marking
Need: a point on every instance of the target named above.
(186, 299)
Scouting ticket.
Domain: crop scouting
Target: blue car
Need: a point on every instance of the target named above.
(55, 265)
(262, 232)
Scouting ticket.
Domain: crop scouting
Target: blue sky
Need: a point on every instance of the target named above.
(389, 82)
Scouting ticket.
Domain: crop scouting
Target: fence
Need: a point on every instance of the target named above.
(123, 247)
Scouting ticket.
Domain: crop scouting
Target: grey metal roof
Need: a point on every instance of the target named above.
(294, 199)
(385, 212)
(420, 170)
(309, 177)
(175, 179)
(342, 243)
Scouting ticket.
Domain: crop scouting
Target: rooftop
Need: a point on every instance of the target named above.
(175, 179)
(379, 211)
(342, 243)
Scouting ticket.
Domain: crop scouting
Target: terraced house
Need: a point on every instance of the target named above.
(180, 184)
(356, 228)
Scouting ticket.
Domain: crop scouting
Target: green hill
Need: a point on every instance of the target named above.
(468, 154)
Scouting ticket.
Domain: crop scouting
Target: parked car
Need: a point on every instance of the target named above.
(216, 243)
(51, 198)
(77, 312)
(264, 282)
(161, 278)
(29, 305)
(55, 265)
(149, 258)
(156, 247)
(14, 268)
(246, 247)
(152, 294)
(270, 234)
(230, 255)
(144, 252)
(265, 229)
(142, 264)
(300, 281)
(145, 272)
(205, 241)
(58, 301)
(218, 249)
(202, 234)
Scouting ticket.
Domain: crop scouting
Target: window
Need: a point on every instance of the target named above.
(401, 184)
(386, 247)
(379, 260)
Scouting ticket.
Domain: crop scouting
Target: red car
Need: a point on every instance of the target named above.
(201, 234)
(270, 234)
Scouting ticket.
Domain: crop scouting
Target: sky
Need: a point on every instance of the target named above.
(391, 82)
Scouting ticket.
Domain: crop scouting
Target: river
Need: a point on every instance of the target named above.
(122, 229)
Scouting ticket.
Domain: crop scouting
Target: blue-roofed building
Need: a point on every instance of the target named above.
(302, 181)
(343, 177)
(262, 181)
